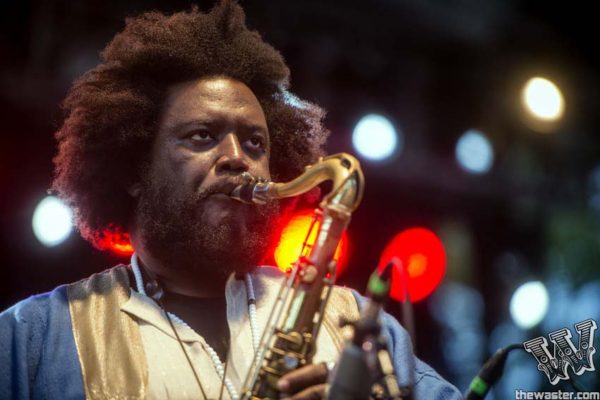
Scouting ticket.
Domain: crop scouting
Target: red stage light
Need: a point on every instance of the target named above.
(293, 235)
(422, 255)
(117, 243)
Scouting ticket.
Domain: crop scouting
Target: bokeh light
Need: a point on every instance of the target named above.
(529, 304)
(459, 311)
(543, 99)
(474, 152)
(457, 306)
(422, 255)
(293, 236)
(375, 137)
(52, 221)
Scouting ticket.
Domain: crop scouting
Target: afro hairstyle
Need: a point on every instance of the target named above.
(112, 111)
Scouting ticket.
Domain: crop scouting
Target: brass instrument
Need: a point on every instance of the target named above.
(289, 339)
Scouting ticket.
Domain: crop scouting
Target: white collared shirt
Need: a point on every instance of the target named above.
(169, 373)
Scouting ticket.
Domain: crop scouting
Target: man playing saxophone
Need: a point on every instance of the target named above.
(156, 138)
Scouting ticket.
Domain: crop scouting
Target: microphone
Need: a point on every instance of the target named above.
(365, 367)
(490, 373)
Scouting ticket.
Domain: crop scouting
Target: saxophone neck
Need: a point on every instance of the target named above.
(342, 169)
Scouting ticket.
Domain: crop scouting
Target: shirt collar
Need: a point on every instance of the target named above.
(144, 308)
(267, 281)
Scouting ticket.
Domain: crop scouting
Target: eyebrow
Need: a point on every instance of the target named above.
(178, 127)
(182, 125)
(258, 128)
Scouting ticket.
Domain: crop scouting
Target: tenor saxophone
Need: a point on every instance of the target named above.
(290, 336)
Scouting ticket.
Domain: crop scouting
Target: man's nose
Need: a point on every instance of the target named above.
(232, 158)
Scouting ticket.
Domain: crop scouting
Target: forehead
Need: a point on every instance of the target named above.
(211, 97)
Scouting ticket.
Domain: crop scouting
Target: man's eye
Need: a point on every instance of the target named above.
(199, 137)
(256, 143)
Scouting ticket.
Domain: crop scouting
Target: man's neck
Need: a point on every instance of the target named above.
(186, 282)
(191, 284)
(206, 316)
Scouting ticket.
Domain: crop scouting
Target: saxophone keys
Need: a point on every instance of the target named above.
(309, 274)
(290, 362)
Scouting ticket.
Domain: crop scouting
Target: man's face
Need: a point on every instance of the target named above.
(211, 131)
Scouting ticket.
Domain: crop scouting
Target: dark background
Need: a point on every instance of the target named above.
(436, 69)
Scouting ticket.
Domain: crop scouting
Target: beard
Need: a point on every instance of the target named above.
(178, 231)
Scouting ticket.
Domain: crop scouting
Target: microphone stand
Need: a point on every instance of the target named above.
(365, 369)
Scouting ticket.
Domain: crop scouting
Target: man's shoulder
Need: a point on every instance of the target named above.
(115, 278)
(37, 307)
(37, 347)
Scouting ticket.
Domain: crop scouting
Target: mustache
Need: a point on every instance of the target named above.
(220, 187)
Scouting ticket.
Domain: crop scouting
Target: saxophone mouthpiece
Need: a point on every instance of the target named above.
(252, 191)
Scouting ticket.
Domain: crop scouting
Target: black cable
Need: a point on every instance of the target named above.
(183, 349)
(579, 388)
(514, 346)
(225, 372)
(490, 373)
(158, 298)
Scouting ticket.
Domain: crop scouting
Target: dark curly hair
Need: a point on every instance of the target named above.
(112, 111)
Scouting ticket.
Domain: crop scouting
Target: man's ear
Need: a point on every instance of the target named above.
(135, 190)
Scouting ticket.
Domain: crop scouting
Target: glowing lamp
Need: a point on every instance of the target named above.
(420, 263)
(543, 99)
(529, 304)
(52, 221)
(117, 243)
(292, 239)
(375, 137)
(474, 152)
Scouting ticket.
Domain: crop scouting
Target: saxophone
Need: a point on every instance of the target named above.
(289, 339)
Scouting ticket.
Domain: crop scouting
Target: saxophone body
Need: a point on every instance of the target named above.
(290, 335)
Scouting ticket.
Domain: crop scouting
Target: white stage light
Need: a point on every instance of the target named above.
(529, 304)
(474, 152)
(375, 138)
(52, 221)
(543, 99)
